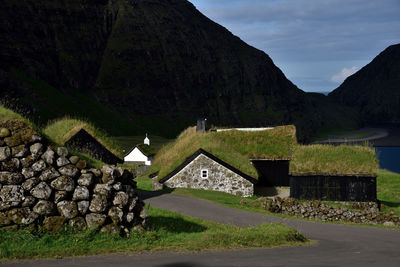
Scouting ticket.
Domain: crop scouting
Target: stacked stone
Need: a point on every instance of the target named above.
(360, 212)
(46, 188)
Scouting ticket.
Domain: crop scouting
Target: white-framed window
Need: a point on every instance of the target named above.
(204, 173)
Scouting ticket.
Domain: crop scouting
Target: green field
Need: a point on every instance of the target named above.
(169, 232)
(388, 188)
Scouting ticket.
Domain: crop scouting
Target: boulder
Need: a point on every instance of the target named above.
(81, 164)
(29, 201)
(5, 153)
(22, 216)
(11, 165)
(36, 150)
(41, 191)
(95, 220)
(60, 195)
(30, 183)
(117, 186)
(39, 166)
(48, 156)
(86, 179)
(27, 162)
(62, 151)
(19, 151)
(10, 178)
(116, 214)
(12, 194)
(74, 159)
(103, 189)
(121, 199)
(98, 204)
(49, 174)
(54, 224)
(81, 193)
(83, 207)
(44, 207)
(112, 229)
(69, 170)
(62, 161)
(77, 223)
(4, 132)
(28, 172)
(68, 209)
(4, 220)
(63, 183)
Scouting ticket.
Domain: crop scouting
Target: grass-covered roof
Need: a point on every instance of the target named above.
(340, 160)
(233, 147)
(61, 130)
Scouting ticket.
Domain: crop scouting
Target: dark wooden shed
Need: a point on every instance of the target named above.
(333, 188)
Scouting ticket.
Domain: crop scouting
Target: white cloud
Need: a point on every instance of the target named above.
(341, 76)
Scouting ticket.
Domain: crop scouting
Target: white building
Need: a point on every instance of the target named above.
(141, 154)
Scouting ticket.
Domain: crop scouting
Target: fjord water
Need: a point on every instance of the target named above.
(389, 157)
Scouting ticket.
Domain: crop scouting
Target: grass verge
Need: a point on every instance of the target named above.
(388, 188)
(170, 231)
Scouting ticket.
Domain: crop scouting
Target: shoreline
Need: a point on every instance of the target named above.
(384, 137)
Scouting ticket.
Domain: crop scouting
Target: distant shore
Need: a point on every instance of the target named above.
(388, 136)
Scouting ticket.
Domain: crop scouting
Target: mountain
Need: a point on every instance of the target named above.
(375, 89)
(136, 66)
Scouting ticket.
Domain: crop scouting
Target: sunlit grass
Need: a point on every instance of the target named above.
(169, 231)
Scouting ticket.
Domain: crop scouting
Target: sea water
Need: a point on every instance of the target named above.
(389, 157)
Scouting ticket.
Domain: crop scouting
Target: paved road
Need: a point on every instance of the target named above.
(338, 245)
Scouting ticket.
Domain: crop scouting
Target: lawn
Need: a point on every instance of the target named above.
(388, 185)
(169, 232)
(388, 188)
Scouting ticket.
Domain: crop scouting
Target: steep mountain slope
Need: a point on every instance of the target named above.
(375, 89)
(136, 66)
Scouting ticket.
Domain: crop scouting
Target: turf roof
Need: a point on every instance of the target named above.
(61, 130)
(233, 147)
(331, 160)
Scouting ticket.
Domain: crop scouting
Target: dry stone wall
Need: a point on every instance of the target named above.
(356, 212)
(45, 188)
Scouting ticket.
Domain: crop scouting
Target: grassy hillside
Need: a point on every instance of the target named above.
(334, 160)
(233, 147)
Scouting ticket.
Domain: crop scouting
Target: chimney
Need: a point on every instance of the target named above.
(201, 125)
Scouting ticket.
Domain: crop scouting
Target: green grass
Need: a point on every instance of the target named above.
(233, 147)
(326, 133)
(388, 187)
(334, 160)
(127, 143)
(169, 232)
(61, 130)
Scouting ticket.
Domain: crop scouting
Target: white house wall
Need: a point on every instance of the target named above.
(219, 178)
(136, 156)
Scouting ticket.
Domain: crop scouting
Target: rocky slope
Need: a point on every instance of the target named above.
(375, 89)
(135, 66)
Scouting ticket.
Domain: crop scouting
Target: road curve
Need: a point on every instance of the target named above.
(338, 245)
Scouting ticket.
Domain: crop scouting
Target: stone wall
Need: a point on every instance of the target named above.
(43, 187)
(219, 178)
(356, 212)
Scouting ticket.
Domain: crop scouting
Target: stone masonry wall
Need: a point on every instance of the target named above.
(43, 187)
(356, 212)
(219, 178)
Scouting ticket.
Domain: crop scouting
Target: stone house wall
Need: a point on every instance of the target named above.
(219, 178)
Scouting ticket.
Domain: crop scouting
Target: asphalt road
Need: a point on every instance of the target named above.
(337, 245)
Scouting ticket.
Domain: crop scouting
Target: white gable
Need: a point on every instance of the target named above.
(137, 156)
(146, 141)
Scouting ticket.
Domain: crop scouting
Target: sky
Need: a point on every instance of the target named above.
(316, 43)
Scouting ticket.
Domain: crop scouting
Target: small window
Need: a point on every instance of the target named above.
(204, 174)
